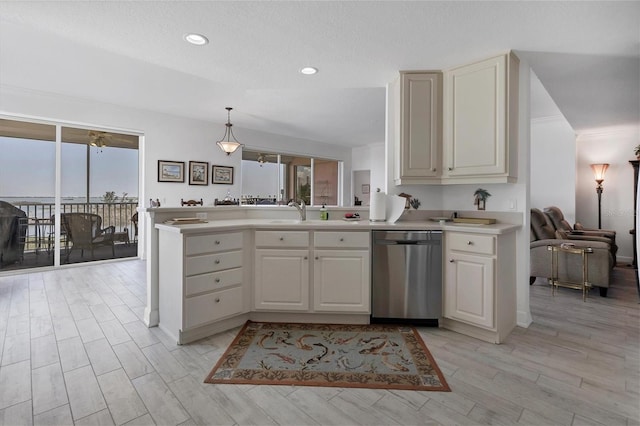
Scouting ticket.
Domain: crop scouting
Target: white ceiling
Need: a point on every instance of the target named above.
(586, 54)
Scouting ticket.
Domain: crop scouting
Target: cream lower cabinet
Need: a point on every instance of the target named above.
(201, 280)
(282, 280)
(341, 272)
(330, 275)
(281, 273)
(480, 284)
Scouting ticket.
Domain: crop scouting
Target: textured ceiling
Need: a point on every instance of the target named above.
(132, 53)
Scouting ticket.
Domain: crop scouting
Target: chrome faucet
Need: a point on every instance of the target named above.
(302, 208)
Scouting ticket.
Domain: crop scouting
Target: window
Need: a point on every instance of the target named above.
(273, 178)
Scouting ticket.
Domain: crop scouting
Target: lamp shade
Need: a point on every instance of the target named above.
(598, 171)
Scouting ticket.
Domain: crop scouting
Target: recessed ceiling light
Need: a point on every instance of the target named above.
(197, 39)
(308, 70)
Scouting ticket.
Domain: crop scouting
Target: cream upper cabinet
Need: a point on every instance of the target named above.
(419, 130)
(481, 121)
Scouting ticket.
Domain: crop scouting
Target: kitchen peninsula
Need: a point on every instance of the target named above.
(263, 263)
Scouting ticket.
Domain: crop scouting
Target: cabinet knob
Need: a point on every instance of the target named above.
(217, 300)
(469, 243)
(341, 239)
(281, 238)
(217, 280)
(217, 242)
(451, 260)
(450, 168)
(317, 258)
(217, 261)
(434, 169)
(305, 258)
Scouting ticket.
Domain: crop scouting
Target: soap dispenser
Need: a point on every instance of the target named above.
(324, 213)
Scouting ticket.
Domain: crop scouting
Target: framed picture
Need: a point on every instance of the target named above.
(198, 173)
(222, 174)
(170, 171)
(365, 188)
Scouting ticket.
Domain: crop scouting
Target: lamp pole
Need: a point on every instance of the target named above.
(599, 191)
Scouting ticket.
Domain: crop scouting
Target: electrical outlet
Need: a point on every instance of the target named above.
(202, 215)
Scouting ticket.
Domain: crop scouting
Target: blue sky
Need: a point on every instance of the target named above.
(27, 169)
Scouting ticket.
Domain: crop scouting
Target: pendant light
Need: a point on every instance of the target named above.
(226, 144)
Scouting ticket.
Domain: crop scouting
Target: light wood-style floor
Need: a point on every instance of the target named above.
(74, 351)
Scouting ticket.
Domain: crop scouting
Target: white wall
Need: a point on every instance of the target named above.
(370, 157)
(613, 146)
(553, 165)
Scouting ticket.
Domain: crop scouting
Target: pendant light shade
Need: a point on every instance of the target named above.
(229, 143)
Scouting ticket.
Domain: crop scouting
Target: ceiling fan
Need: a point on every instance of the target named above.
(262, 158)
(99, 139)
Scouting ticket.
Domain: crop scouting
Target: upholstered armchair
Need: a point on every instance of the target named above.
(84, 231)
(600, 261)
(578, 232)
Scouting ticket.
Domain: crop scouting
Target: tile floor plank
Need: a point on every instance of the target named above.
(122, 399)
(49, 390)
(162, 404)
(85, 396)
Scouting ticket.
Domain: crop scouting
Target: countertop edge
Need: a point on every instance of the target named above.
(333, 225)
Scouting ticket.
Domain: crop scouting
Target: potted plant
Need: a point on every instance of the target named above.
(636, 151)
(481, 196)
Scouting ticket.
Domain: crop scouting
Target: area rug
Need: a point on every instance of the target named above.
(357, 356)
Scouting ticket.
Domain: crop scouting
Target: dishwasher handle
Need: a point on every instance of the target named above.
(407, 242)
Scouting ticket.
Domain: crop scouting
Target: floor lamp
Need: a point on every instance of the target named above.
(599, 171)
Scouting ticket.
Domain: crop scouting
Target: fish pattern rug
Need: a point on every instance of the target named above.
(361, 356)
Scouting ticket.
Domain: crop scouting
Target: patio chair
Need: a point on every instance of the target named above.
(13, 231)
(134, 220)
(84, 231)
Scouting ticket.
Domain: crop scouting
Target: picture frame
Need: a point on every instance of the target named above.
(366, 188)
(170, 171)
(198, 173)
(222, 175)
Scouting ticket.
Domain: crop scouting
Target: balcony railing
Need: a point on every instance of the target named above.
(40, 219)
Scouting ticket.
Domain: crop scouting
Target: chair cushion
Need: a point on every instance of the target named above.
(540, 225)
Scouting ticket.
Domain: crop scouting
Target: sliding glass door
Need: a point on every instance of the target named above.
(92, 216)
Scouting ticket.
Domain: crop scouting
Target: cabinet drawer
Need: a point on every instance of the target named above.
(342, 239)
(212, 281)
(282, 239)
(472, 243)
(213, 243)
(212, 262)
(213, 306)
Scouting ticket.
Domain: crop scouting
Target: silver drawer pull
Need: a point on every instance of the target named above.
(469, 243)
(217, 280)
(217, 300)
(217, 242)
(217, 261)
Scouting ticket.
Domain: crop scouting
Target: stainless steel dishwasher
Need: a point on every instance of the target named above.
(407, 277)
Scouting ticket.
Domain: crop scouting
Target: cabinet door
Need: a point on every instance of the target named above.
(469, 289)
(475, 129)
(282, 280)
(420, 128)
(341, 281)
